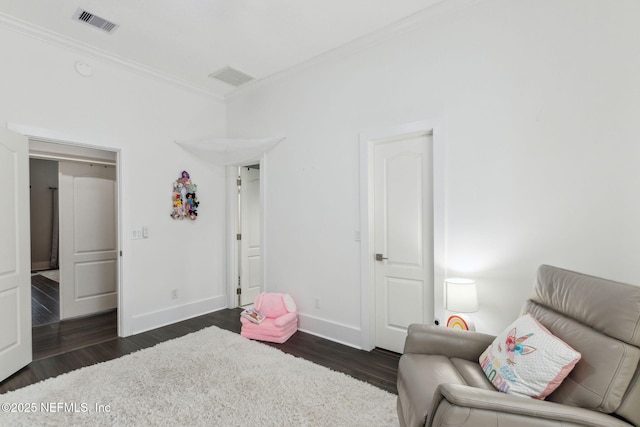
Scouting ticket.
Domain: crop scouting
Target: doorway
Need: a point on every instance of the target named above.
(245, 228)
(402, 236)
(78, 232)
(45, 277)
(249, 234)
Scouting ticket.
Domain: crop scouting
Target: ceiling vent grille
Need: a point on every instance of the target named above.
(95, 21)
(231, 76)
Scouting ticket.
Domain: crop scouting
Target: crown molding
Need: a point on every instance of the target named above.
(420, 18)
(438, 9)
(58, 40)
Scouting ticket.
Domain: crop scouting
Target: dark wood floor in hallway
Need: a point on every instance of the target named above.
(45, 300)
(92, 340)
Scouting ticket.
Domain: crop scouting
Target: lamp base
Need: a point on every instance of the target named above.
(460, 321)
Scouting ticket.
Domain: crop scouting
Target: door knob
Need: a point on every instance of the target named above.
(379, 257)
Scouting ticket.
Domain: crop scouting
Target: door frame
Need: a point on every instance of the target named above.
(77, 153)
(73, 152)
(232, 227)
(368, 141)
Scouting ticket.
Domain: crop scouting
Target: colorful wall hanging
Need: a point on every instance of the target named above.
(185, 201)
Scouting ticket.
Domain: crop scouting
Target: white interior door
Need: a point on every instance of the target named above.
(88, 250)
(403, 237)
(250, 245)
(15, 276)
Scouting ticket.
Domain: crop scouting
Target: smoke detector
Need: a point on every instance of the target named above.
(231, 76)
(84, 69)
(89, 18)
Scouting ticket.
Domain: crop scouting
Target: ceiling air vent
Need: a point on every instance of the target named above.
(231, 76)
(95, 21)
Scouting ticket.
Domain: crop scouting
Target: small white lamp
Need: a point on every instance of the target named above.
(460, 296)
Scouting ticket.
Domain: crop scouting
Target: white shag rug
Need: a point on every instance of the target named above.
(211, 377)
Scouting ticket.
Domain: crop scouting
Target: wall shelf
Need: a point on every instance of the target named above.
(230, 151)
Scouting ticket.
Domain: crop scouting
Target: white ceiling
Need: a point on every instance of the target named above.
(186, 40)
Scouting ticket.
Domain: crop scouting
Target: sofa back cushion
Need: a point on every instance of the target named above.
(599, 381)
(273, 304)
(600, 319)
(612, 308)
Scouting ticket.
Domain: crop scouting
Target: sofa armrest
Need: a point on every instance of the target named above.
(285, 319)
(427, 339)
(495, 403)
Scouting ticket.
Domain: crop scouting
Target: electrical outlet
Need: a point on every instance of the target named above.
(174, 293)
(316, 302)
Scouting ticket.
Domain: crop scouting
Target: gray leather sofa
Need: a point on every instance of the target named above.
(440, 382)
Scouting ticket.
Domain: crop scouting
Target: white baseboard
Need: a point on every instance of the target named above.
(40, 265)
(338, 332)
(333, 331)
(147, 321)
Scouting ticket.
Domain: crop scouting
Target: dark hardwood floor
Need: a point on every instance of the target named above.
(45, 300)
(73, 344)
(68, 335)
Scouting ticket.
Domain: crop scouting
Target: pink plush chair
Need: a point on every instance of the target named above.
(281, 318)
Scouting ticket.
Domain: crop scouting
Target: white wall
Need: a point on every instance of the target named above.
(540, 101)
(140, 116)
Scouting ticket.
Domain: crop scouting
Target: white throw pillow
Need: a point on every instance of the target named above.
(528, 360)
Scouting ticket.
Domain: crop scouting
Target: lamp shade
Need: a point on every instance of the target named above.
(460, 295)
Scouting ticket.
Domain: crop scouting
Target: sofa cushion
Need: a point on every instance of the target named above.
(613, 308)
(528, 360)
(256, 332)
(271, 304)
(601, 319)
(606, 370)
